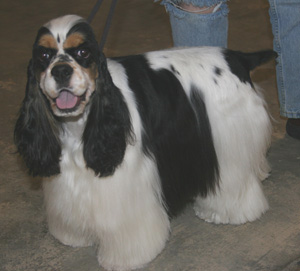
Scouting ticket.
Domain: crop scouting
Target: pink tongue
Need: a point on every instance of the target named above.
(66, 100)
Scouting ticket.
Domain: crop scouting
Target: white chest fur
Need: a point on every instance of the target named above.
(83, 209)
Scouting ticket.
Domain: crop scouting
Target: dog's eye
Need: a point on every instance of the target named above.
(44, 56)
(84, 53)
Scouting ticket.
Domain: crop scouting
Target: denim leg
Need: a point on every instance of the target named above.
(285, 19)
(192, 29)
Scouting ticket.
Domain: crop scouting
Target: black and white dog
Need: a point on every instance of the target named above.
(124, 144)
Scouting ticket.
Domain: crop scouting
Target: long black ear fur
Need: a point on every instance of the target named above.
(108, 127)
(36, 131)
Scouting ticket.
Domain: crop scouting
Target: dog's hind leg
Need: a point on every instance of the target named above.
(233, 204)
(242, 130)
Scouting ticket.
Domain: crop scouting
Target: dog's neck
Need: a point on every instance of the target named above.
(74, 126)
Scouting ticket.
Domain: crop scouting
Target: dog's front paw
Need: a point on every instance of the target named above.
(107, 265)
(132, 248)
(70, 238)
(211, 217)
(74, 241)
(121, 259)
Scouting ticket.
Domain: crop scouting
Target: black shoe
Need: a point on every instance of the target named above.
(293, 128)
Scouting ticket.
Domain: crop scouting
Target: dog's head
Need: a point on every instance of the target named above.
(68, 76)
(65, 63)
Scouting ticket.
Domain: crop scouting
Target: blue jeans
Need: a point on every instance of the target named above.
(190, 29)
(285, 19)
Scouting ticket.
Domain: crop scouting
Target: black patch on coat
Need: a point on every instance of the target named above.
(177, 136)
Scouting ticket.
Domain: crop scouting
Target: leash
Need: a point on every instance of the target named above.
(108, 20)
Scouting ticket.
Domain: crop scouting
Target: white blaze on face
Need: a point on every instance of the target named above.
(60, 27)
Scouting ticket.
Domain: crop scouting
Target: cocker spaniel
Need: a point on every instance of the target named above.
(124, 144)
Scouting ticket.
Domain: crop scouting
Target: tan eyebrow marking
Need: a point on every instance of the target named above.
(74, 40)
(48, 41)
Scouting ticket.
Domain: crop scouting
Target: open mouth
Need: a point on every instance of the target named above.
(67, 101)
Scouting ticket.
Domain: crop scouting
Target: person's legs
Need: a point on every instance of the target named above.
(198, 22)
(285, 19)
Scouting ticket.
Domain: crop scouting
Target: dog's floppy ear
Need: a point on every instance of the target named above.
(36, 131)
(108, 126)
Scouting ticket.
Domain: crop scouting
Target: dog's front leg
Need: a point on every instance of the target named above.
(133, 244)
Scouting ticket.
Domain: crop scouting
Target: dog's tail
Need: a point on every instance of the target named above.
(241, 63)
(257, 58)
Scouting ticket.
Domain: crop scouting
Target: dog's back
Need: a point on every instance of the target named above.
(196, 106)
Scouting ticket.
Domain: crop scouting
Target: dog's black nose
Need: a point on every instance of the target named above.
(62, 73)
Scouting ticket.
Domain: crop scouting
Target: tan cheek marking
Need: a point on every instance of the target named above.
(41, 77)
(92, 72)
(78, 75)
(74, 40)
(48, 41)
